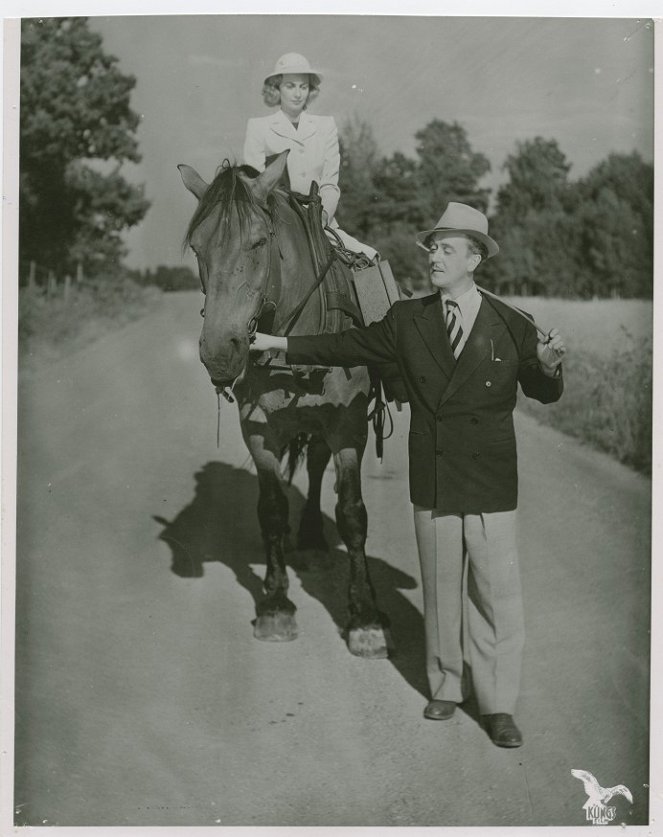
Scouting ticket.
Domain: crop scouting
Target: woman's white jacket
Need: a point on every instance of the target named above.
(314, 152)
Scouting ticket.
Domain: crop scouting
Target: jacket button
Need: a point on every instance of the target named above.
(474, 420)
(475, 455)
(422, 379)
(488, 384)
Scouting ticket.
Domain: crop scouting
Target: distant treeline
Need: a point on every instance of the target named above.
(591, 237)
(180, 278)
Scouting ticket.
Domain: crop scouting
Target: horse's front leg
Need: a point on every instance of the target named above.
(275, 614)
(310, 535)
(367, 632)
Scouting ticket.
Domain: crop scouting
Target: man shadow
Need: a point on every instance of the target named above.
(220, 524)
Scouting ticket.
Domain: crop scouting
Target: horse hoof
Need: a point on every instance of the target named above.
(372, 643)
(275, 627)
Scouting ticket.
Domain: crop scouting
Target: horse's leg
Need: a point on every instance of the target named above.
(367, 633)
(275, 614)
(310, 534)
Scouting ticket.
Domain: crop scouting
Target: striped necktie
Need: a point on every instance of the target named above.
(454, 328)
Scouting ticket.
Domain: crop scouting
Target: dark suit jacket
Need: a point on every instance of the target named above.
(462, 444)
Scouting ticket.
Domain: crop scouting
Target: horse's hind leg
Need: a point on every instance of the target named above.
(275, 614)
(310, 534)
(367, 633)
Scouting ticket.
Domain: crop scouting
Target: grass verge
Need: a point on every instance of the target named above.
(51, 327)
(607, 401)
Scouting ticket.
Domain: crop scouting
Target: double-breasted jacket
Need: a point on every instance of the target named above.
(462, 446)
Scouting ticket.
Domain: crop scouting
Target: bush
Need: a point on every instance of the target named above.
(50, 326)
(607, 401)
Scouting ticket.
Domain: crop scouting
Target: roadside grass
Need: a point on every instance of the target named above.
(607, 400)
(50, 327)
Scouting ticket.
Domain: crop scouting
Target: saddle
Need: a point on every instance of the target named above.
(355, 298)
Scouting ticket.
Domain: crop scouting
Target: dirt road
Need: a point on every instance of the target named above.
(143, 699)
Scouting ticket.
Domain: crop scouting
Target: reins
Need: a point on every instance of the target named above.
(292, 317)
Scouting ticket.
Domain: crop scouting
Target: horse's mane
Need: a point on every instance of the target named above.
(228, 191)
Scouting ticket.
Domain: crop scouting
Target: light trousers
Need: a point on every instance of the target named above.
(473, 611)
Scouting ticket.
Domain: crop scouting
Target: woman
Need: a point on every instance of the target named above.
(312, 140)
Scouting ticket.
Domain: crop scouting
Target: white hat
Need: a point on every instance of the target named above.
(292, 62)
(461, 218)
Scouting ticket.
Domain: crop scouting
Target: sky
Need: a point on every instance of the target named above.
(588, 83)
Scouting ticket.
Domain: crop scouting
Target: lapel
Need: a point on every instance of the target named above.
(487, 326)
(307, 127)
(282, 126)
(430, 324)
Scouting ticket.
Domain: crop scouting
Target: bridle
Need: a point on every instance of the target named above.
(266, 300)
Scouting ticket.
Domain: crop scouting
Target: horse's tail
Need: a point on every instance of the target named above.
(296, 454)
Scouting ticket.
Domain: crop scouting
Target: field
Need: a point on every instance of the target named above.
(607, 400)
(592, 325)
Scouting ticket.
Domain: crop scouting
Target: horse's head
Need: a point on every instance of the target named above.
(231, 234)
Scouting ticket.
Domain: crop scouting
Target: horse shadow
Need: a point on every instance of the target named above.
(220, 525)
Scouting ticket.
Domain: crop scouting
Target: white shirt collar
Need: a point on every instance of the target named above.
(468, 302)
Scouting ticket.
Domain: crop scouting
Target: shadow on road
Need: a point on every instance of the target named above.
(220, 524)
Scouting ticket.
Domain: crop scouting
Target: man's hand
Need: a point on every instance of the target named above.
(551, 352)
(265, 342)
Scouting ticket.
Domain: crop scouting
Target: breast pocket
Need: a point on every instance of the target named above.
(500, 374)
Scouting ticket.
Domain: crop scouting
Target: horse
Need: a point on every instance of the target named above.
(255, 262)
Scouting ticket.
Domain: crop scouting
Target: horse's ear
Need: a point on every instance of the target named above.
(265, 182)
(192, 180)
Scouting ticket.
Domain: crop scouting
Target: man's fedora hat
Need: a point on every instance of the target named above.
(463, 219)
(292, 62)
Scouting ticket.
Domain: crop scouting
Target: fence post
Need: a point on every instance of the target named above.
(52, 283)
(67, 288)
(32, 276)
(79, 273)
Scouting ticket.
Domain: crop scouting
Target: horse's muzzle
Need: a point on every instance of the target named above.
(225, 361)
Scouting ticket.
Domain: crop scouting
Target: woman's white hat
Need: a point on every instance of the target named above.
(461, 218)
(292, 62)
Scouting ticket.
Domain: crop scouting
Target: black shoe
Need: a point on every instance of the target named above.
(439, 710)
(502, 730)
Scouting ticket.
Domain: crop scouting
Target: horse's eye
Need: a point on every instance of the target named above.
(260, 243)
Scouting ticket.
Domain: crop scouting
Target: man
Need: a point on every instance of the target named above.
(462, 354)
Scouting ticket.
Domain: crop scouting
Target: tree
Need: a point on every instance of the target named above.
(533, 222)
(398, 197)
(616, 227)
(76, 130)
(538, 174)
(385, 200)
(449, 170)
(359, 157)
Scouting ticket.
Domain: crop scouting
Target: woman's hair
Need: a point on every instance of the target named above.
(271, 95)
